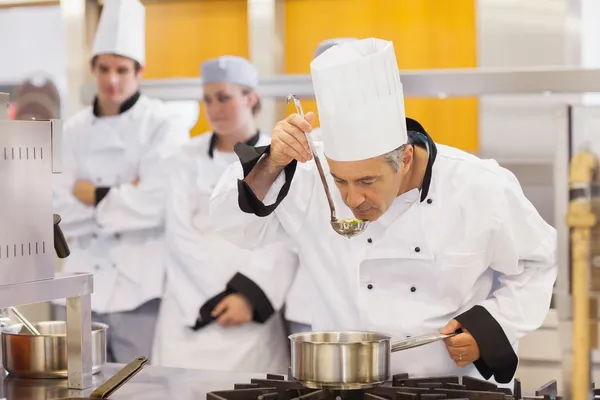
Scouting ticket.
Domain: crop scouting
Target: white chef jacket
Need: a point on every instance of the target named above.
(120, 240)
(201, 265)
(302, 297)
(475, 248)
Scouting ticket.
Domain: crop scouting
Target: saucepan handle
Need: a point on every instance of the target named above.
(119, 379)
(417, 341)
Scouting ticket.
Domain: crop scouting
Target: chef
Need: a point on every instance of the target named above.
(111, 193)
(298, 307)
(452, 242)
(221, 305)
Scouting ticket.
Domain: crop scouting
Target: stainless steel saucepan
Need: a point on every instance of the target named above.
(45, 356)
(344, 360)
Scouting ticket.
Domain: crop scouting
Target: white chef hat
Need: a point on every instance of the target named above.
(329, 43)
(122, 30)
(232, 69)
(359, 98)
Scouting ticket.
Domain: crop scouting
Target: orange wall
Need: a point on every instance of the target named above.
(426, 34)
(181, 35)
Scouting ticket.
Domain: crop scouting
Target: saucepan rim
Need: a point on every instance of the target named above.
(309, 337)
(9, 329)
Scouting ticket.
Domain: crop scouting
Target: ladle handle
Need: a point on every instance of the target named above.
(313, 150)
(25, 321)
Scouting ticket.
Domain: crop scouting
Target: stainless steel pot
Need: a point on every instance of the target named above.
(344, 360)
(28, 356)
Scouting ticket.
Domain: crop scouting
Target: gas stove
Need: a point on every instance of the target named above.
(401, 387)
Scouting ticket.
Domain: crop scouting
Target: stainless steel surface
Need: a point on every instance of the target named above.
(27, 232)
(152, 383)
(4, 106)
(436, 83)
(345, 360)
(62, 286)
(80, 342)
(29, 356)
(347, 228)
(119, 379)
(30, 327)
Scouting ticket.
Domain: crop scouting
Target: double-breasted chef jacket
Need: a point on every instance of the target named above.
(203, 268)
(468, 245)
(121, 238)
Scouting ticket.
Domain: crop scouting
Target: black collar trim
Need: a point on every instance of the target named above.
(213, 142)
(422, 138)
(127, 104)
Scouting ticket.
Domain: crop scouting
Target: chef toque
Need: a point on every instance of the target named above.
(230, 69)
(329, 43)
(122, 30)
(359, 98)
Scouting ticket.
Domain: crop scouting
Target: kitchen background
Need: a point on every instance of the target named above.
(47, 41)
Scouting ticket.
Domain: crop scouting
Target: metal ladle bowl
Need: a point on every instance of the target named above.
(345, 227)
(349, 227)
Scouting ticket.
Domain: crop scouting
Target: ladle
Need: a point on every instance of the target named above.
(345, 227)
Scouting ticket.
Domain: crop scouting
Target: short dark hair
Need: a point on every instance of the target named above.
(136, 65)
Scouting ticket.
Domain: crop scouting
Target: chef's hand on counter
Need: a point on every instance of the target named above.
(288, 140)
(233, 310)
(85, 192)
(463, 348)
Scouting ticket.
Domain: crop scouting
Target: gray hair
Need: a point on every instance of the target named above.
(395, 157)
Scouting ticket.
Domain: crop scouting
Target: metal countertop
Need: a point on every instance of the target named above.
(151, 383)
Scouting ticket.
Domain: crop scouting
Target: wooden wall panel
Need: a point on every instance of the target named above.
(426, 34)
(181, 35)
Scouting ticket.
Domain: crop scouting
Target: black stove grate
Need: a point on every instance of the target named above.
(401, 387)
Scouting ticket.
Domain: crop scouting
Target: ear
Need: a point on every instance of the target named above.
(407, 156)
(252, 99)
(140, 74)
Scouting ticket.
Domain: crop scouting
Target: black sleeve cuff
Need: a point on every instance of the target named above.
(261, 305)
(498, 358)
(101, 193)
(247, 200)
(206, 310)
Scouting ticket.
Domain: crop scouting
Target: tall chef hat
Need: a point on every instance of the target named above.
(232, 69)
(329, 43)
(360, 101)
(122, 30)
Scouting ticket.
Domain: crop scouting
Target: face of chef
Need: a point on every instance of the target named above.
(369, 187)
(229, 107)
(117, 78)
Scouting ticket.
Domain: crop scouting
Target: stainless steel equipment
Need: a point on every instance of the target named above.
(4, 106)
(345, 360)
(46, 355)
(118, 380)
(30, 327)
(30, 152)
